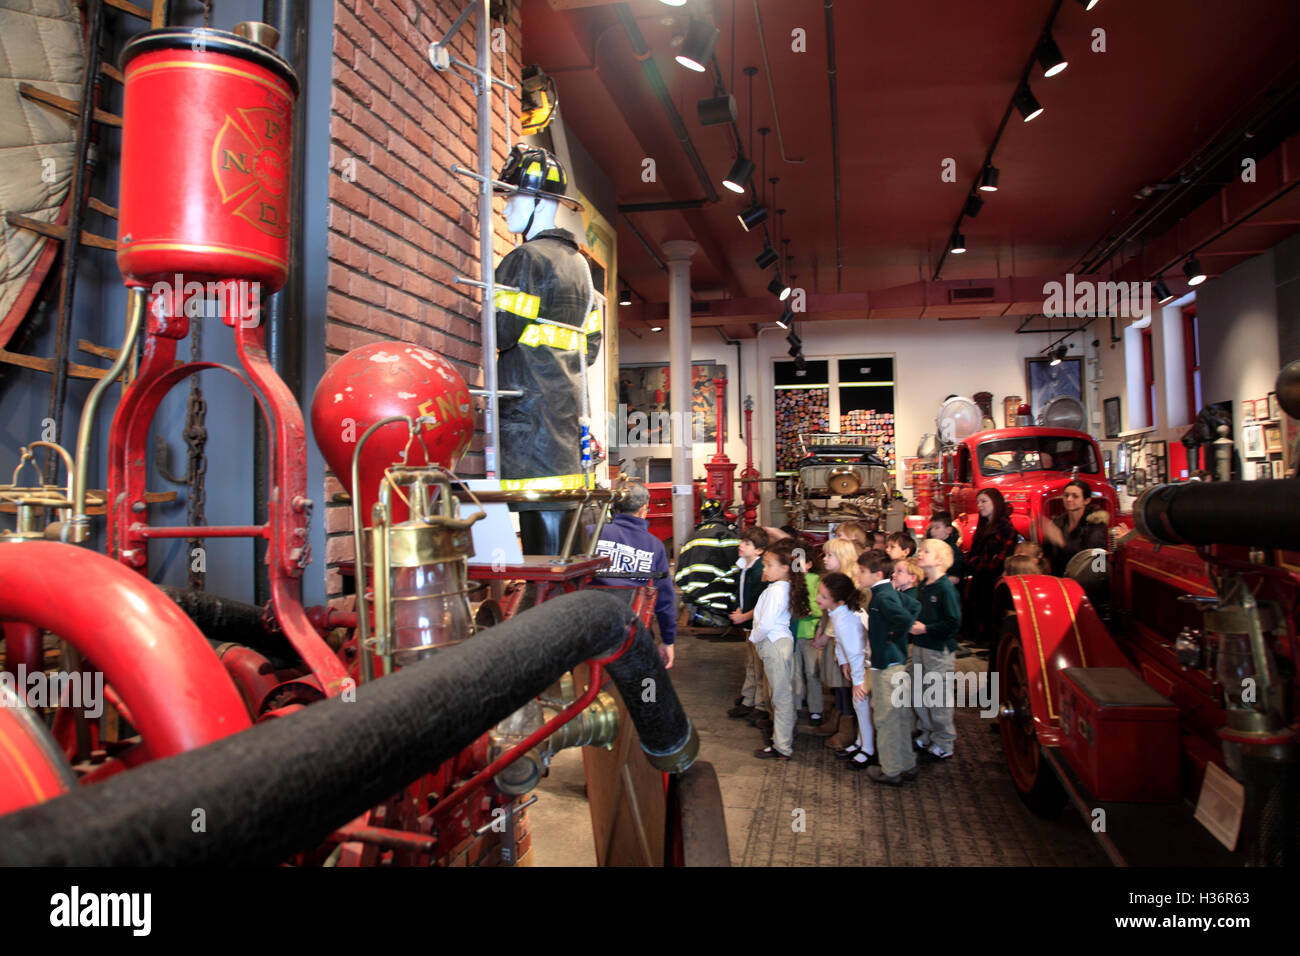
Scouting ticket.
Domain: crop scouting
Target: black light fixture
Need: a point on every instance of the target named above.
(1162, 292)
(793, 338)
(1058, 354)
(697, 48)
(792, 351)
(957, 245)
(1026, 102)
(738, 179)
(800, 363)
(717, 110)
(753, 216)
(787, 316)
(1086, 4)
(1192, 269)
(989, 179)
(625, 297)
(778, 288)
(973, 206)
(766, 257)
(1050, 57)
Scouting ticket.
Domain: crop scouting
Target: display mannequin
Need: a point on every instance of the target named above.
(547, 334)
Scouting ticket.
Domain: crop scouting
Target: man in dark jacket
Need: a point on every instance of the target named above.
(631, 547)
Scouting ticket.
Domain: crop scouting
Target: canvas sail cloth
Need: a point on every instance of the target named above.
(41, 43)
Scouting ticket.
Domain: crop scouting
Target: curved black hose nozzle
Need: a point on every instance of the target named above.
(286, 784)
(1260, 514)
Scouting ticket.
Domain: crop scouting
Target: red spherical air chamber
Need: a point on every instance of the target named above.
(378, 381)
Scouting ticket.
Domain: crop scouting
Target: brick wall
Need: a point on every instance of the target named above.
(401, 225)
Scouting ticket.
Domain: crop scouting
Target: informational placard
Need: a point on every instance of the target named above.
(495, 541)
(1220, 805)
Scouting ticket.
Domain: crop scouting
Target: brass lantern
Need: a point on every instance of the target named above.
(417, 568)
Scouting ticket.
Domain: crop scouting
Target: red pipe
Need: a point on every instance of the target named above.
(204, 531)
(252, 674)
(152, 654)
(23, 646)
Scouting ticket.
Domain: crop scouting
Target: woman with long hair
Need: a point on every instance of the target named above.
(1080, 528)
(993, 542)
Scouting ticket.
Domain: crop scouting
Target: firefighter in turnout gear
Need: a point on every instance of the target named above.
(548, 332)
(706, 567)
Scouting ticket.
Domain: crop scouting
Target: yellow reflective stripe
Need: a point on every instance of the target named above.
(593, 322)
(518, 303)
(555, 336)
(552, 483)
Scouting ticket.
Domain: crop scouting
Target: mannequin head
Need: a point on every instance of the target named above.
(521, 208)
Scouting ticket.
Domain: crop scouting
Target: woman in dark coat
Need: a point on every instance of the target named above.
(1080, 528)
(993, 542)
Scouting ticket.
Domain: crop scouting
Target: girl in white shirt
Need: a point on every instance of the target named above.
(839, 597)
(784, 599)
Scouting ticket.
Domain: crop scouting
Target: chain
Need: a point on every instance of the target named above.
(196, 437)
(207, 13)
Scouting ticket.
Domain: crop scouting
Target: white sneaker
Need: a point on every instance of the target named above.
(920, 744)
(934, 750)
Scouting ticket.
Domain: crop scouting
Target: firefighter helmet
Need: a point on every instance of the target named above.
(533, 171)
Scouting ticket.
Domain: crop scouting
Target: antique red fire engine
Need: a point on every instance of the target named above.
(400, 730)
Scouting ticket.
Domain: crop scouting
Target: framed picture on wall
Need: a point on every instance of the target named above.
(1248, 410)
(646, 389)
(1261, 410)
(1273, 438)
(1252, 441)
(1279, 468)
(1274, 409)
(1264, 469)
(1111, 413)
(1009, 406)
(1045, 381)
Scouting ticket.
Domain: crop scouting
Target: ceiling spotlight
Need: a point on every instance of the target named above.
(625, 297)
(717, 110)
(738, 178)
(782, 321)
(656, 328)
(973, 206)
(673, 3)
(793, 338)
(989, 179)
(1058, 354)
(753, 216)
(792, 351)
(1086, 4)
(1192, 269)
(766, 257)
(1050, 57)
(800, 363)
(1161, 292)
(1025, 102)
(697, 48)
(778, 288)
(958, 244)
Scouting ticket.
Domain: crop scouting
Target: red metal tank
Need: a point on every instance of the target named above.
(923, 485)
(206, 134)
(379, 380)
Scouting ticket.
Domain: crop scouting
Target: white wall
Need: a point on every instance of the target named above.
(1239, 336)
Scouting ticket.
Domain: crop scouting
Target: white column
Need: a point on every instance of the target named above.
(678, 252)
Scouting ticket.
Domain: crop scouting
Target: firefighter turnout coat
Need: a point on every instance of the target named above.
(546, 333)
(706, 567)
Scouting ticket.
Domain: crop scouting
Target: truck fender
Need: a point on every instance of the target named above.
(1058, 628)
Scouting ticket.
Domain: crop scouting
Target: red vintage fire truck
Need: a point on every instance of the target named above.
(1029, 464)
(1166, 713)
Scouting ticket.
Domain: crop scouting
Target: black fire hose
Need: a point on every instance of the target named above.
(1260, 514)
(284, 785)
(227, 621)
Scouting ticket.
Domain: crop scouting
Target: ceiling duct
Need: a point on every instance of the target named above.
(967, 295)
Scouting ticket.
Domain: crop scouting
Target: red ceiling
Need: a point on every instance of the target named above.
(919, 81)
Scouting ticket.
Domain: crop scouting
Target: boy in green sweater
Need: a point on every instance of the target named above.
(934, 636)
(887, 626)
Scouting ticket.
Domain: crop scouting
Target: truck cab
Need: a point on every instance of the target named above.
(1030, 465)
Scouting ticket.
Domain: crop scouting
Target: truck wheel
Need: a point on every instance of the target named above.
(1034, 779)
(697, 825)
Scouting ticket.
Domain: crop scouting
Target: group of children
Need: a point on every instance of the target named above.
(850, 626)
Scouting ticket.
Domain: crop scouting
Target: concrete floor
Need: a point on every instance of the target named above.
(963, 812)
